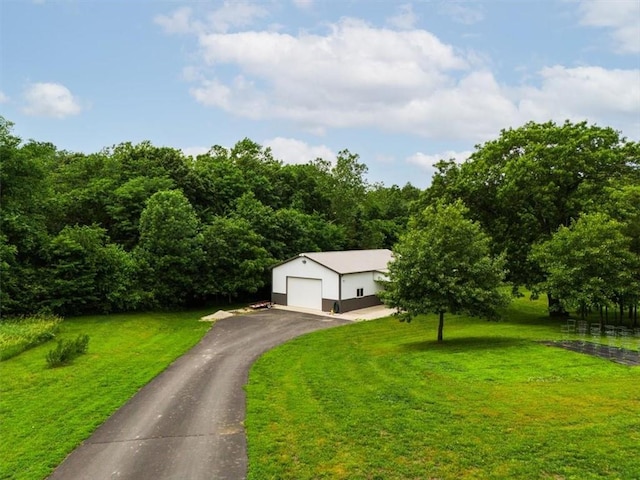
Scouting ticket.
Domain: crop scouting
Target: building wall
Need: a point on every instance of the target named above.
(279, 298)
(351, 282)
(305, 268)
(358, 303)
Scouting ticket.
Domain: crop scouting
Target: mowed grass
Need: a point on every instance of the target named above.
(383, 400)
(45, 413)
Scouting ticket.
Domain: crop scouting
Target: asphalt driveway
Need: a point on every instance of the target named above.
(188, 422)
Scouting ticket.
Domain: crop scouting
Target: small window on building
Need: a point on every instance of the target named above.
(360, 292)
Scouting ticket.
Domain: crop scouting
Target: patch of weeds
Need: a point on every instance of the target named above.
(22, 333)
(67, 350)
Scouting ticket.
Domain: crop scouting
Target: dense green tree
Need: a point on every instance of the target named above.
(234, 260)
(534, 179)
(443, 264)
(147, 160)
(87, 274)
(125, 206)
(589, 264)
(9, 281)
(287, 232)
(83, 187)
(25, 201)
(170, 249)
(299, 232)
(214, 183)
(259, 170)
(622, 203)
(347, 190)
(305, 187)
(386, 212)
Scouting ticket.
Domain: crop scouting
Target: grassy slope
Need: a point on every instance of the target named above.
(45, 413)
(382, 400)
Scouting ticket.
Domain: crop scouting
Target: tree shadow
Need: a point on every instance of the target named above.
(461, 344)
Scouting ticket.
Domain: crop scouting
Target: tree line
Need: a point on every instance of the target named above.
(138, 226)
(555, 208)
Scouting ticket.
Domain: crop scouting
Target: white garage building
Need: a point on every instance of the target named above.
(338, 281)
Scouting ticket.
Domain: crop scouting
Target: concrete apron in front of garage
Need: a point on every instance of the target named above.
(369, 313)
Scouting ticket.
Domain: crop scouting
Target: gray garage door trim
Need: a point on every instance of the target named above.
(304, 292)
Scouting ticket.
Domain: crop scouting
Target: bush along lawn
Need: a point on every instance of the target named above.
(20, 334)
(384, 400)
(46, 412)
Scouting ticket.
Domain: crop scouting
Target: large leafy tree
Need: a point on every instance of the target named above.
(589, 264)
(25, 206)
(214, 183)
(443, 264)
(126, 204)
(286, 232)
(348, 187)
(83, 187)
(170, 249)
(531, 180)
(386, 212)
(87, 274)
(234, 260)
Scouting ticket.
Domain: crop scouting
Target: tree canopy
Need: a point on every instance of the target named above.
(532, 180)
(142, 226)
(443, 264)
(589, 264)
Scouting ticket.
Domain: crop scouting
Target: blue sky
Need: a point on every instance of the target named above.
(400, 83)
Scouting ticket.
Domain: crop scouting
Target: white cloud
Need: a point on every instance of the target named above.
(293, 151)
(405, 19)
(427, 161)
(580, 93)
(3, 97)
(235, 14)
(305, 4)
(357, 75)
(50, 100)
(194, 151)
(231, 14)
(461, 13)
(622, 16)
(178, 22)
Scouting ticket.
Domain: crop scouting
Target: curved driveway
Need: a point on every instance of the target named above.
(188, 422)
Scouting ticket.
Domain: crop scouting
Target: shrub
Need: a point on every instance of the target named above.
(20, 334)
(67, 350)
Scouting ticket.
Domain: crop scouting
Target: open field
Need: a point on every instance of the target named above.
(383, 400)
(45, 413)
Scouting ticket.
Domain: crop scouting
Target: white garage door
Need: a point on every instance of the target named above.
(304, 292)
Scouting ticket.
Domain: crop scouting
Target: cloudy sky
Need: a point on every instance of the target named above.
(402, 84)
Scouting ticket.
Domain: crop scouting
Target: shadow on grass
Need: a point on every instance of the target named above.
(461, 344)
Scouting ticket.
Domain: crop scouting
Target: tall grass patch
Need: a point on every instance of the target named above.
(20, 334)
(383, 399)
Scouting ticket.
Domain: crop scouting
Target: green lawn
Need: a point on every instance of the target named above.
(383, 400)
(45, 413)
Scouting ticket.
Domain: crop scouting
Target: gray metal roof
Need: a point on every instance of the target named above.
(352, 261)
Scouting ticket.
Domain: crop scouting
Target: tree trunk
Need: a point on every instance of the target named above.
(440, 326)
